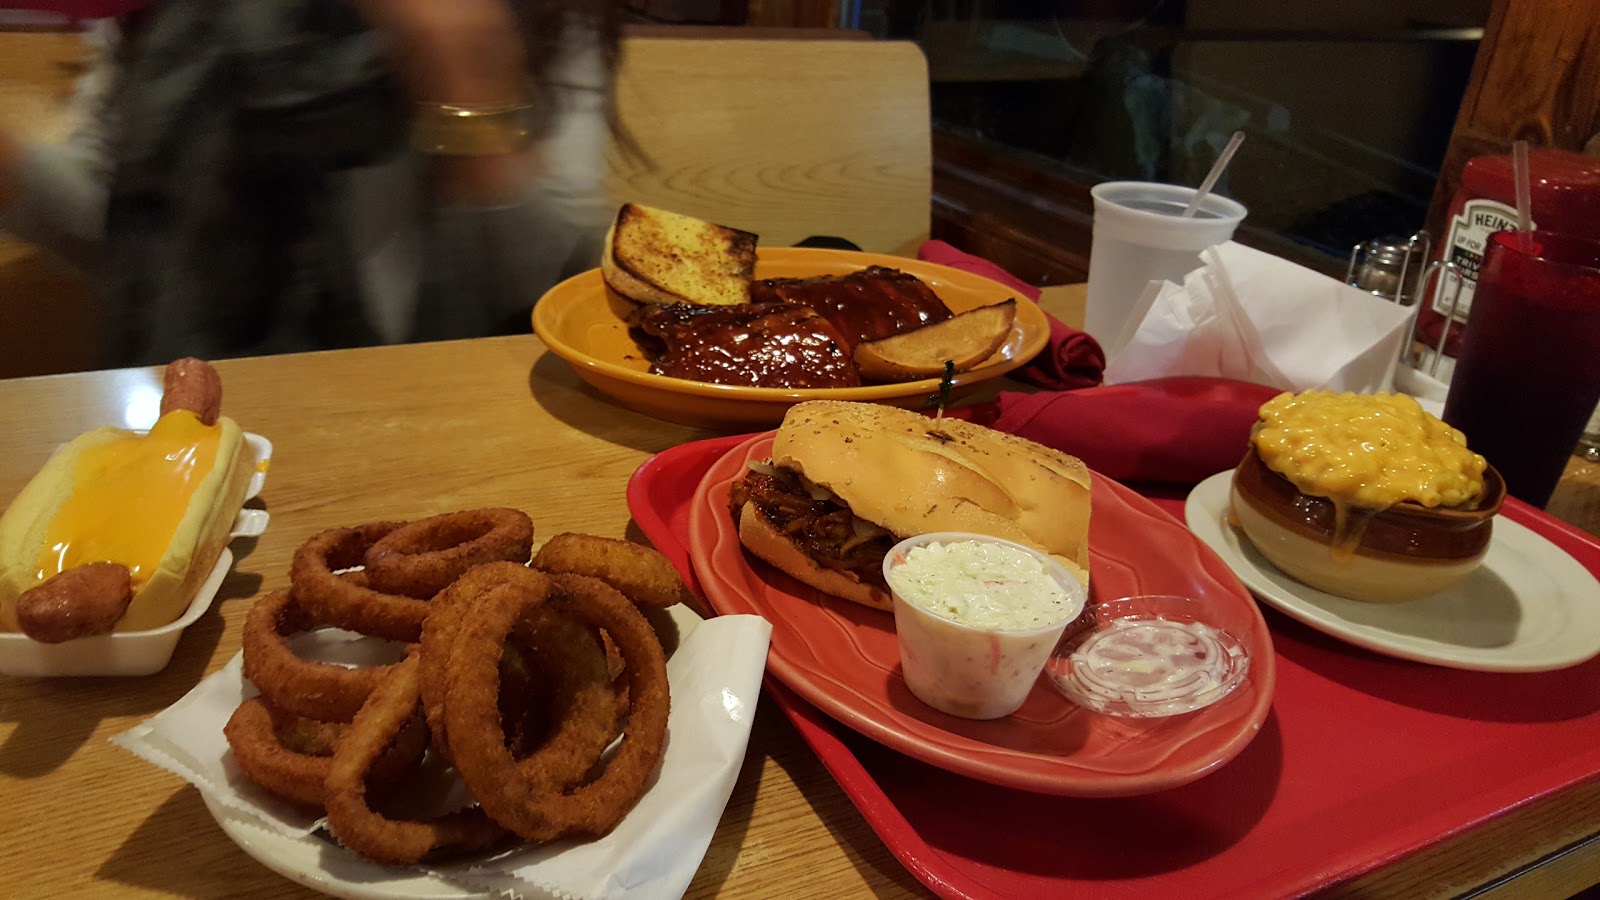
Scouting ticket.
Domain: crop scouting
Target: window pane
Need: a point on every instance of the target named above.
(1347, 104)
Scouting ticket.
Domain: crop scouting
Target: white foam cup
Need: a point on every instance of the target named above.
(1140, 237)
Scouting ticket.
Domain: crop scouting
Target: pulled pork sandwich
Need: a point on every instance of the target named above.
(846, 481)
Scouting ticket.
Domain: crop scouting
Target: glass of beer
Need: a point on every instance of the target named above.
(1528, 374)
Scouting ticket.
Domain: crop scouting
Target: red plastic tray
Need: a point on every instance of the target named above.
(1363, 760)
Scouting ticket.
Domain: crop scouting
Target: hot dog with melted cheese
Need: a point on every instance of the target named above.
(160, 504)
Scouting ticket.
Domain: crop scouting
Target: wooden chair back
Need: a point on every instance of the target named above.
(788, 138)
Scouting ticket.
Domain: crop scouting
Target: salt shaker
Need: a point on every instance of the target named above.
(1389, 270)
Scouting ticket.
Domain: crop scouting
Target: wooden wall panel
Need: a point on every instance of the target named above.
(793, 13)
(1537, 76)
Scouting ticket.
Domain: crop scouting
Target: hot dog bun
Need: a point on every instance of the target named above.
(121, 511)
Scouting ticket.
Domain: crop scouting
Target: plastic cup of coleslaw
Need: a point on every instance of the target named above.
(977, 617)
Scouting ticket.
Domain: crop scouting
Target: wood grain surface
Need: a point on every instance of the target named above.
(407, 431)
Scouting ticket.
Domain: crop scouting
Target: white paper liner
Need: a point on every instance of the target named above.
(715, 676)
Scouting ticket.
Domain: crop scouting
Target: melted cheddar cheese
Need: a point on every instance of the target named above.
(1367, 450)
(129, 496)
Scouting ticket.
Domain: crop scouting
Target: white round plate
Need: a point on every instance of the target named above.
(319, 864)
(1530, 607)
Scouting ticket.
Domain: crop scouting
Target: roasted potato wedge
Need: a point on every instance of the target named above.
(966, 340)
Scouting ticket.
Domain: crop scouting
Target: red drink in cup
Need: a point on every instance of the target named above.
(1528, 375)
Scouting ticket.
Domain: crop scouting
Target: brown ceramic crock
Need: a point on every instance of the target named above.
(1403, 552)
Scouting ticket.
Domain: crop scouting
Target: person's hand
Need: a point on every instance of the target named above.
(465, 53)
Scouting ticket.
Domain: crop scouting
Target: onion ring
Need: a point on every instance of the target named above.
(352, 820)
(568, 658)
(289, 755)
(526, 710)
(347, 604)
(421, 558)
(435, 648)
(507, 791)
(643, 574)
(585, 709)
(295, 775)
(323, 691)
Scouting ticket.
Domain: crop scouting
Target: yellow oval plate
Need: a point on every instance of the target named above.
(584, 322)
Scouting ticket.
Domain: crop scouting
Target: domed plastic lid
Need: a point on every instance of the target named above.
(1147, 656)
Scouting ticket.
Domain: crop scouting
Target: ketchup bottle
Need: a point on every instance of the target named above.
(1565, 197)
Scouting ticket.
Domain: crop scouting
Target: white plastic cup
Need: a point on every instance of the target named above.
(1140, 237)
(967, 671)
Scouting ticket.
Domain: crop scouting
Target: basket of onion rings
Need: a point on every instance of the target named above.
(516, 699)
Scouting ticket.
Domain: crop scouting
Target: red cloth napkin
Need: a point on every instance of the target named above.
(1071, 359)
(1170, 430)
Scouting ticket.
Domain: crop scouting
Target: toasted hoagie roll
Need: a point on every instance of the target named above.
(846, 481)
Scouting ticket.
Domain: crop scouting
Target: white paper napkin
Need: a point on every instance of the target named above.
(715, 676)
(1252, 316)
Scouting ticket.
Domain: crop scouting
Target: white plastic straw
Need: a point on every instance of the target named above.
(1519, 176)
(1214, 174)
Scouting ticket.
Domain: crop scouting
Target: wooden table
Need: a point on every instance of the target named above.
(409, 431)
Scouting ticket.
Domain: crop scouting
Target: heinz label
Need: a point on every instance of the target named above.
(1464, 246)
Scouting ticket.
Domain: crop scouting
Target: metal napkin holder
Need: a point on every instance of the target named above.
(1384, 270)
